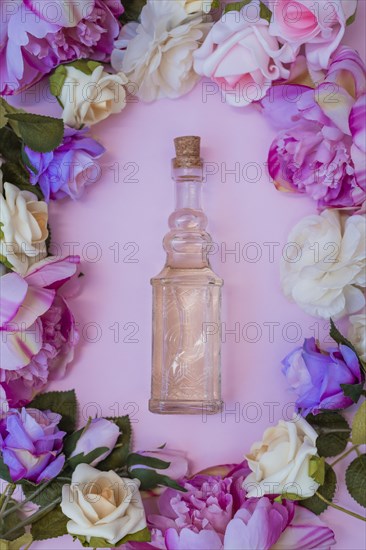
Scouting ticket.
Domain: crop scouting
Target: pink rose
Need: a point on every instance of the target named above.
(320, 25)
(241, 56)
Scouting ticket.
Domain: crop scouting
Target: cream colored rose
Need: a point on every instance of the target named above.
(23, 228)
(88, 99)
(194, 6)
(357, 333)
(323, 267)
(280, 462)
(101, 504)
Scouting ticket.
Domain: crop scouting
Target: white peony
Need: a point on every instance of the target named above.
(357, 333)
(194, 6)
(159, 58)
(280, 462)
(324, 264)
(90, 98)
(23, 228)
(101, 504)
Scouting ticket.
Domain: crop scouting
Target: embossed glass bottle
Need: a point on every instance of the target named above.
(186, 301)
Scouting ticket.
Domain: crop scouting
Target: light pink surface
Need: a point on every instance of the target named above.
(114, 377)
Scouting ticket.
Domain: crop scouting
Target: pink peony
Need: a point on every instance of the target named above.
(319, 25)
(241, 56)
(38, 328)
(320, 146)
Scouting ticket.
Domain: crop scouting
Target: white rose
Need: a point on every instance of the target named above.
(324, 262)
(193, 6)
(88, 99)
(101, 504)
(159, 58)
(23, 228)
(280, 462)
(357, 333)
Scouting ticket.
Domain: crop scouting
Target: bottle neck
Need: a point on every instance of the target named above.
(188, 188)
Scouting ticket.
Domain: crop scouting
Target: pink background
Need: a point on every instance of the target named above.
(113, 377)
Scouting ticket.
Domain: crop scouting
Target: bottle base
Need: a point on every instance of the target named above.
(185, 407)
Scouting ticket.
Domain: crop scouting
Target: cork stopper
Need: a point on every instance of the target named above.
(187, 150)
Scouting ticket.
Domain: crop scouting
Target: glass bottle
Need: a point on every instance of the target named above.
(186, 301)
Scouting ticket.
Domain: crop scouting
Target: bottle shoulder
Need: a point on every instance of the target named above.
(187, 276)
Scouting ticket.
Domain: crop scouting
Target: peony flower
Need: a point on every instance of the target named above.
(357, 333)
(159, 59)
(100, 432)
(38, 328)
(242, 57)
(316, 376)
(23, 228)
(319, 26)
(36, 40)
(90, 98)
(320, 148)
(178, 462)
(213, 515)
(68, 169)
(101, 504)
(323, 266)
(280, 462)
(31, 444)
(193, 6)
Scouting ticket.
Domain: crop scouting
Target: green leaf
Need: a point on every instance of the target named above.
(317, 469)
(327, 490)
(6, 263)
(49, 493)
(61, 402)
(151, 479)
(236, 6)
(3, 119)
(40, 133)
(359, 426)
(352, 18)
(10, 145)
(333, 431)
(82, 458)
(265, 12)
(356, 480)
(353, 391)
(27, 162)
(11, 110)
(86, 66)
(132, 10)
(22, 542)
(118, 457)
(11, 522)
(4, 471)
(141, 536)
(97, 542)
(71, 440)
(57, 80)
(52, 525)
(152, 462)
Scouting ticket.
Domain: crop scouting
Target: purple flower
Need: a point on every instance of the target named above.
(36, 37)
(317, 150)
(69, 168)
(213, 515)
(31, 444)
(316, 376)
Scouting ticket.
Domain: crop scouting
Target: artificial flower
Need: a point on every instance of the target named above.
(319, 26)
(357, 333)
(98, 431)
(316, 376)
(241, 57)
(102, 504)
(90, 98)
(68, 169)
(323, 265)
(194, 6)
(36, 40)
(280, 461)
(31, 444)
(159, 58)
(320, 147)
(23, 228)
(178, 467)
(38, 328)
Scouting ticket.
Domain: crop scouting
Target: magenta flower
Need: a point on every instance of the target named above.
(68, 169)
(37, 36)
(215, 514)
(318, 150)
(38, 328)
(316, 376)
(31, 444)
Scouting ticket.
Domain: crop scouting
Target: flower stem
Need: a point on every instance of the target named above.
(342, 456)
(34, 517)
(4, 499)
(340, 508)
